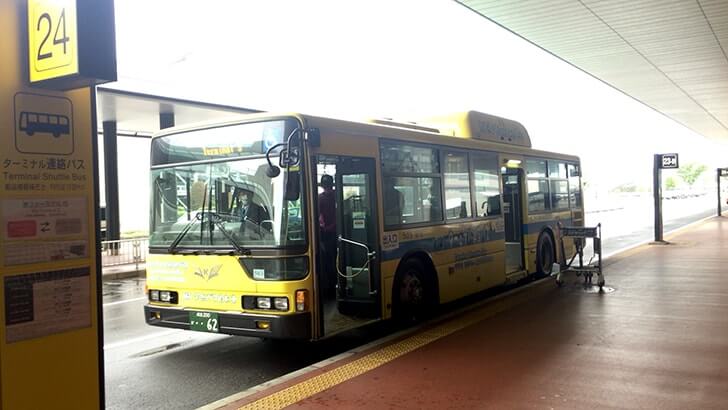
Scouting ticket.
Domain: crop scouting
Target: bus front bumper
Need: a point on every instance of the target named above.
(294, 326)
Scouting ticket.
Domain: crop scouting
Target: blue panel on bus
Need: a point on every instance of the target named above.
(439, 244)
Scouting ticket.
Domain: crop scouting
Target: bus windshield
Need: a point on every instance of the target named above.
(221, 204)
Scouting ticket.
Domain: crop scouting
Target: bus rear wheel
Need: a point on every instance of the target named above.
(412, 300)
(545, 256)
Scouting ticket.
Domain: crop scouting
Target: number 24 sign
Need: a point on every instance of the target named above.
(52, 39)
(668, 161)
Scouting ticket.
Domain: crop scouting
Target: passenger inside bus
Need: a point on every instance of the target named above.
(491, 206)
(393, 203)
(327, 231)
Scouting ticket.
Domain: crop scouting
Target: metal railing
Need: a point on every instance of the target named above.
(124, 252)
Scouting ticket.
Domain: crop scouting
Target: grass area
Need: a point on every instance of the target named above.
(134, 234)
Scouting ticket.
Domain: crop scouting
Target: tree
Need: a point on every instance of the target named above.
(670, 183)
(626, 187)
(690, 173)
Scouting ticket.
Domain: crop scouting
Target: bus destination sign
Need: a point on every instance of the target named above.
(669, 161)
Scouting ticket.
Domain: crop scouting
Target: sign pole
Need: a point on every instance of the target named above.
(722, 172)
(720, 211)
(657, 192)
(661, 161)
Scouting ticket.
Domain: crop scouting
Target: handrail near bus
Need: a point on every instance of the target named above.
(370, 256)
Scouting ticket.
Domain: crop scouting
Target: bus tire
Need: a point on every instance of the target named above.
(545, 255)
(413, 293)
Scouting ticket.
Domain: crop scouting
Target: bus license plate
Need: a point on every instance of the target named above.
(204, 322)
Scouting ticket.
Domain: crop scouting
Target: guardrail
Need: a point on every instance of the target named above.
(124, 252)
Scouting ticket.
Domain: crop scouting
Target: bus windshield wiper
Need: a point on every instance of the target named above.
(217, 220)
(184, 231)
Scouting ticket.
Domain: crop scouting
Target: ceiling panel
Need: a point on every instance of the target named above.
(668, 54)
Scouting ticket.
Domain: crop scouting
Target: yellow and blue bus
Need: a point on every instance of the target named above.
(245, 239)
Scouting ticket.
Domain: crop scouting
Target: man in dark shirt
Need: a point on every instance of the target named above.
(249, 211)
(327, 230)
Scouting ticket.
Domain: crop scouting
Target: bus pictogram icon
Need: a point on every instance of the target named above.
(43, 124)
(54, 124)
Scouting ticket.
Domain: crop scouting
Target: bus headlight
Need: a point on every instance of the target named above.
(281, 304)
(164, 296)
(295, 268)
(262, 303)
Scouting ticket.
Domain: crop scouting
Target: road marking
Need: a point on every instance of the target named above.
(124, 301)
(127, 342)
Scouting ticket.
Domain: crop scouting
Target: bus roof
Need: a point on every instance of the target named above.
(481, 126)
(473, 129)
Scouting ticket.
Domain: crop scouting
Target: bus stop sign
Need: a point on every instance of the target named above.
(668, 161)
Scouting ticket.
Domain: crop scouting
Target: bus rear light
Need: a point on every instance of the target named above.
(301, 296)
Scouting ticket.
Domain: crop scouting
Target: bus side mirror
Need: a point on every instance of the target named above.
(272, 171)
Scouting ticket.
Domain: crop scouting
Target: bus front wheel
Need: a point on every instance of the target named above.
(544, 255)
(412, 300)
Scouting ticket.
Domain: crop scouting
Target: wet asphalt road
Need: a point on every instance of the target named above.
(157, 368)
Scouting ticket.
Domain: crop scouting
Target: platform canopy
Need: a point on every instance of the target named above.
(671, 55)
(138, 113)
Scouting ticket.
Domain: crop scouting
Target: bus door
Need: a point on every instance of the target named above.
(348, 254)
(513, 215)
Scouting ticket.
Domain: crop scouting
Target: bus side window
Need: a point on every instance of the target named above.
(393, 203)
(492, 206)
(487, 185)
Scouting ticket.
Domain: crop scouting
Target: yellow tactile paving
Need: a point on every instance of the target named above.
(314, 385)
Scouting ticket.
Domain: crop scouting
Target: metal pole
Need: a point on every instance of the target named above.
(719, 205)
(111, 170)
(657, 191)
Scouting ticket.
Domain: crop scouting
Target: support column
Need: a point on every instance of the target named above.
(166, 120)
(111, 172)
(720, 207)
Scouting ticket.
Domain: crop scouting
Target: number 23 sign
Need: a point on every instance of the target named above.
(52, 39)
